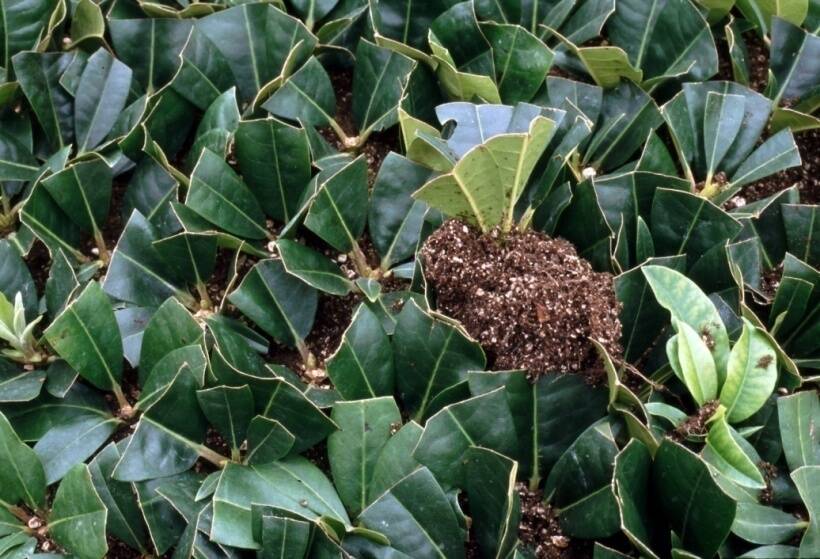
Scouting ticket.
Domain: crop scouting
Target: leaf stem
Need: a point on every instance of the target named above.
(205, 300)
(212, 456)
(105, 257)
(126, 410)
(360, 261)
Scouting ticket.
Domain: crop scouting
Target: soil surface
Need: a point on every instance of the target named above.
(540, 532)
(530, 300)
(806, 176)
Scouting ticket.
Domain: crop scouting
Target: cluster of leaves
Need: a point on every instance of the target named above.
(172, 159)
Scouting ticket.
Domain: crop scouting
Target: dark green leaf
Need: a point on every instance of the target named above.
(78, 517)
(364, 428)
(438, 352)
(279, 303)
(416, 515)
(698, 510)
(86, 335)
(23, 478)
(274, 158)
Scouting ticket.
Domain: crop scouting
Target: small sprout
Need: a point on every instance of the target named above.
(17, 333)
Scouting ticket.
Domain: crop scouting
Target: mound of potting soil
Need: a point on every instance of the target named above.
(530, 300)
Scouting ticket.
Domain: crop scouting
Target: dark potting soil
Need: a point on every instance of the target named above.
(539, 530)
(38, 261)
(530, 300)
(806, 176)
(695, 424)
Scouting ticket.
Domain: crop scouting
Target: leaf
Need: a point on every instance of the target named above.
(101, 95)
(284, 537)
(582, 492)
(137, 274)
(294, 485)
(23, 480)
(494, 501)
(486, 183)
(87, 337)
(416, 516)
(627, 116)
(15, 278)
(87, 23)
(229, 410)
(778, 152)
(607, 65)
(396, 460)
(219, 195)
(24, 24)
(685, 223)
(204, 72)
(362, 366)
(520, 58)
(364, 428)
(151, 47)
(313, 268)
(633, 467)
(752, 374)
(733, 460)
(274, 159)
(765, 525)
(793, 62)
(49, 223)
(280, 304)
(665, 40)
(150, 191)
(338, 211)
(83, 192)
(438, 352)
(395, 219)
(799, 416)
(807, 480)
(16, 161)
(301, 417)
(693, 504)
(71, 443)
(60, 285)
(19, 385)
(256, 40)
(170, 328)
(190, 256)
(268, 441)
(379, 80)
(694, 363)
(306, 96)
(78, 517)
(722, 119)
(800, 224)
(165, 525)
(687, 303)
(124, 517)
(217, 127)
(484, 421)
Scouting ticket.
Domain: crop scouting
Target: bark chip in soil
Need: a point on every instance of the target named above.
(530, 300)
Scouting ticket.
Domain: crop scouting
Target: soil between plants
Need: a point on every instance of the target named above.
(530, 300)
(539, 530)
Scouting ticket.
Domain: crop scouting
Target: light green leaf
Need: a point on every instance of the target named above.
(751, 374)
